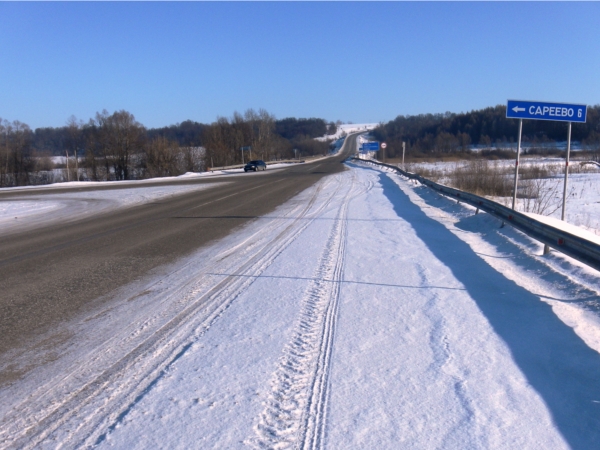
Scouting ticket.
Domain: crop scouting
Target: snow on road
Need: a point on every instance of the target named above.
(365, 313)
(30, 211)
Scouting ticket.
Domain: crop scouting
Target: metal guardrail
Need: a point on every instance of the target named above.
(574, 246)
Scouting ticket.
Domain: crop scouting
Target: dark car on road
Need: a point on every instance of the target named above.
(255, 166)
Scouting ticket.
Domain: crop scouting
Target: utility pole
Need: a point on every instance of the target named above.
(68, 176)
(76, 166)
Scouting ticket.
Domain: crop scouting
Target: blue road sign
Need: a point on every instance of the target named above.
(562, 112)
(370, 146)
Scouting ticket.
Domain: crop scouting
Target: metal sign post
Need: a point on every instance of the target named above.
(564, 205)
(68, 176)
(517, 164)
(403, 149)
(249, 149)
(383, 146)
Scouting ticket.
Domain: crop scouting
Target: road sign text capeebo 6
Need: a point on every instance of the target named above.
(563, 112)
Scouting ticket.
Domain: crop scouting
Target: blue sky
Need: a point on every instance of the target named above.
(359, 62)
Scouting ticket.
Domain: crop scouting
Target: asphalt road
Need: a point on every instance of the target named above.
(50, 274)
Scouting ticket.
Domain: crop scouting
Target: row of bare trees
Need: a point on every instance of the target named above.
(118, 147)
(225, 138)
(108, 147)
(16, 158)
(256, 131)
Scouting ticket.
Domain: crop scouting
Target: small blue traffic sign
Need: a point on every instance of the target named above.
(370, 146)
(562, 112)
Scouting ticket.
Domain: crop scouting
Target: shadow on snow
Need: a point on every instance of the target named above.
(555, 361)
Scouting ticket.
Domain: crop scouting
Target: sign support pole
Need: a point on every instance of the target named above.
(564, 205)
(68, 175)
(517, 164)
(403, 149)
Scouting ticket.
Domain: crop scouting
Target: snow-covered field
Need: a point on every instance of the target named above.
(348, 128)
(368, 312)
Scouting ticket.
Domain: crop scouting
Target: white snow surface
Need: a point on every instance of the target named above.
(565, 226)
(348, 128)
(368, 312)
(31, 211)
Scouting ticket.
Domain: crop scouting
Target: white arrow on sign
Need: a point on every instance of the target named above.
(517, 109)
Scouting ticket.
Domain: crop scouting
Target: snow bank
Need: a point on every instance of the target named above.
(567, 227)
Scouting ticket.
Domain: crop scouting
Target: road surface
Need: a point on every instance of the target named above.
(49, 274)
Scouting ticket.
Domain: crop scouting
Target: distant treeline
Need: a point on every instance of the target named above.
(117, 147)
(188, 133)
(432, 134)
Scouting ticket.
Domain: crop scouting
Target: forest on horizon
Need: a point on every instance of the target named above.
(440, 134)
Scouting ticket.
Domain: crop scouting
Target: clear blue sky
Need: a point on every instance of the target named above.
(359, 62)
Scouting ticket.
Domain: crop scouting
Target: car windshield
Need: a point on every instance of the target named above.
(254, 162)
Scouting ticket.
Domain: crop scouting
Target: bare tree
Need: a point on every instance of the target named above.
(5, 130)
(75, 141)
(119, 139)
(262, 128)
(17, 159)
(224, 139)
(163, 158)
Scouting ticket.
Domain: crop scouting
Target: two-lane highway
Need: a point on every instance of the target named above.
(52, 273)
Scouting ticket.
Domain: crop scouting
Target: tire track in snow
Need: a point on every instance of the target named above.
(296, 411)
(90, 406)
